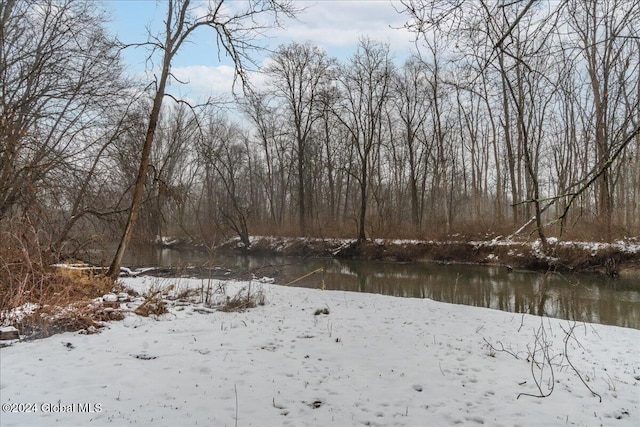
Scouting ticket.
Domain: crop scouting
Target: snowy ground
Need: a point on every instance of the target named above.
(372, 360)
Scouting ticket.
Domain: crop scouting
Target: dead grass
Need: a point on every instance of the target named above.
(64, 301)
(60, 299)
(246, 298)
(51, 287)
(589, 230)
(51, 320)
(154, 304)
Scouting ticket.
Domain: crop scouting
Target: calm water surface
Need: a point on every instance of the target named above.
(575, 297)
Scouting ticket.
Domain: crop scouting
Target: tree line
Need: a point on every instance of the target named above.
(508, 117)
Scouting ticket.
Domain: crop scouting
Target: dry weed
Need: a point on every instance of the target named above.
(154, 303)
(58, 299)
(244, 299)
(49, 320)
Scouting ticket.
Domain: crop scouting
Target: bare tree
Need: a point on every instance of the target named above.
(413, 106)
(223, 151)
(172, 170)
(366, 84)
(525, 79)
(605, 31)
(298, 74)
(61, 109)
(268, 124)
(576, 57)
(60, 76)
(235, 30)
(443, 158)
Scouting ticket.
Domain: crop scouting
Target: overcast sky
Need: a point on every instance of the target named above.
(333, 25)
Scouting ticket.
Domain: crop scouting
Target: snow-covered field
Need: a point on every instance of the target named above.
(372, 360)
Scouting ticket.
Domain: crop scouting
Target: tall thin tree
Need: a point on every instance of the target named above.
(236, 28)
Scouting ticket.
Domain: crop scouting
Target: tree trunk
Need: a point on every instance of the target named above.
(363, 203)
(138, 191)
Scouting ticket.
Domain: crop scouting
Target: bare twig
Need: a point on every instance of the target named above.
(541, 345)
(521, 322)
(569, 334)
(501, 349)
(235, 389)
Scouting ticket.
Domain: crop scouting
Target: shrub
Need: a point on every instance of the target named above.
(244, 299)
(39, 299)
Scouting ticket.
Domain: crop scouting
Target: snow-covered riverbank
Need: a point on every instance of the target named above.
(619, 258)
(372, 360)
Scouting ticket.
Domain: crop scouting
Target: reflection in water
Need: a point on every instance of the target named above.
(576, 297)
(583, 298)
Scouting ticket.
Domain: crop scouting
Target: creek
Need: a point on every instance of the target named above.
(588, 298)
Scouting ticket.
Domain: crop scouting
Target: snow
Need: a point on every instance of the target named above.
(316, 358)
(125, 271)
(19, 313)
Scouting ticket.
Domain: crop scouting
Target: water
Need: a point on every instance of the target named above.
(575, 297)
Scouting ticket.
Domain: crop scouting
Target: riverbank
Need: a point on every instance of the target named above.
(311, 358)
(622, 257)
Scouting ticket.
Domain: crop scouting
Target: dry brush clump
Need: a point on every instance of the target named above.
(40, 299)
(211, 296)
(244, 299)
(80, 316)
(154, 303)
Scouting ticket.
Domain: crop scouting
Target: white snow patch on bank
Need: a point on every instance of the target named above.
(372, 360)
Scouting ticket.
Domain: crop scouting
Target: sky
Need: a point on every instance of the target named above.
(333, 25)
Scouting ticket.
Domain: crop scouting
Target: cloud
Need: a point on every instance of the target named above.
(198, 83)
(340, 24)
(336, 26)
(205, 81)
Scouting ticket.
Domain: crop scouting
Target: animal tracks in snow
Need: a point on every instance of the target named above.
(398, 362)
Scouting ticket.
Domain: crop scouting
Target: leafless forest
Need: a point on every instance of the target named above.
(508, 113)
